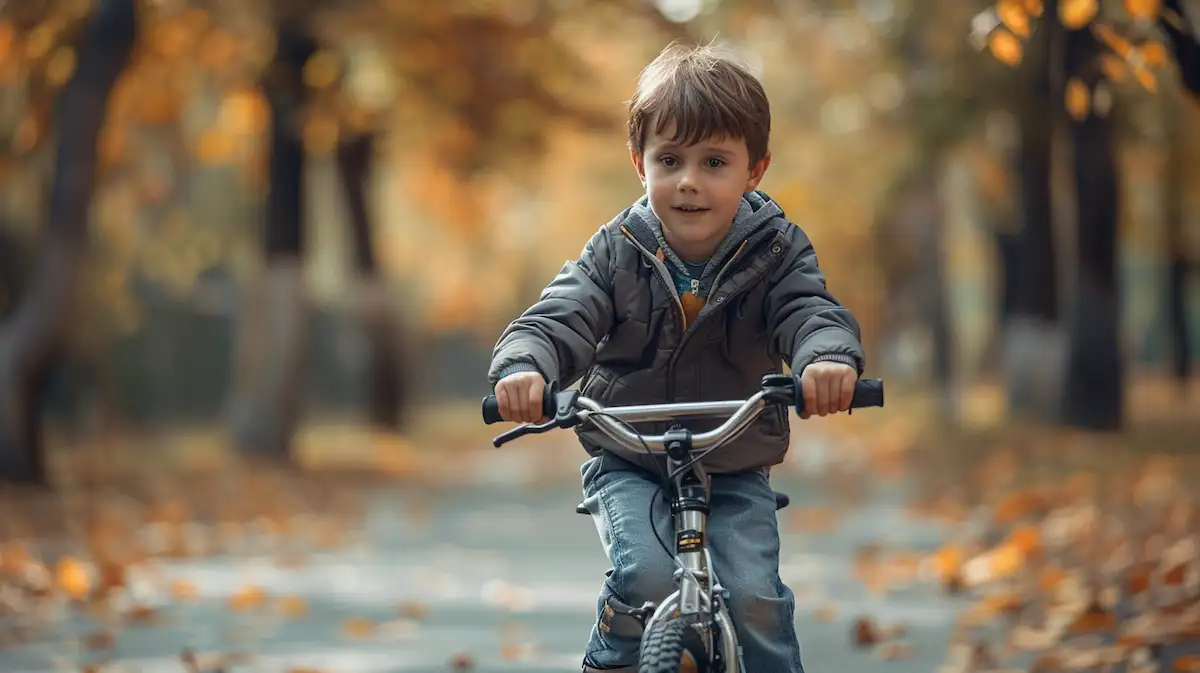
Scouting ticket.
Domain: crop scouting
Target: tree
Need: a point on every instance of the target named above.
(485, 83)
(34, 335)
(1079, 54)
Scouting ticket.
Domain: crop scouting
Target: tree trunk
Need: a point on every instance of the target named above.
(1184, 44)
(35, 336)
(267, 409)
(1034, 351)
(1093, 393)
(387, 373)
(936, 304)
(1176, 253)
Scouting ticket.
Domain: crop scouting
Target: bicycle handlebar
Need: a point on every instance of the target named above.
(568, 408)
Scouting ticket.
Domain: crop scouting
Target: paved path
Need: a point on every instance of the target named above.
(508, 574)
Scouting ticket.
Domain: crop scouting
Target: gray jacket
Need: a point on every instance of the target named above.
(614, 318)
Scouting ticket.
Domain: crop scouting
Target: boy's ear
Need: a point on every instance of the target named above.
(638, 165)
(757, 171)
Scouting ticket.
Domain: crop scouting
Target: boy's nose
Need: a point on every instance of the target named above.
(687, 181)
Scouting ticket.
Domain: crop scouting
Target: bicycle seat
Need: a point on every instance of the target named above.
(781, 500)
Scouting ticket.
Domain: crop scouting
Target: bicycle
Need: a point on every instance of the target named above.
(693, 622)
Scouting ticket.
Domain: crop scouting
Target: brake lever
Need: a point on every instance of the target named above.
(521, 431)
(566, 417)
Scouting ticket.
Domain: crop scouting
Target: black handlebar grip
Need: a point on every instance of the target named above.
(491, 407)
(867, 393)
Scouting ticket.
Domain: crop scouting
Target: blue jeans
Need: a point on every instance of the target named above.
(743, 537)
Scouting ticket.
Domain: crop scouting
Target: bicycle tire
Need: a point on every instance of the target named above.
(668, 644)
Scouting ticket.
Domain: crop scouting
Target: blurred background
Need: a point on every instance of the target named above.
(254, 256)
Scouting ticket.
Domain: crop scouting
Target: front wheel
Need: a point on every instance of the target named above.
(672, 646)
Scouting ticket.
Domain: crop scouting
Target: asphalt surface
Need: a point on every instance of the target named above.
(498, 572)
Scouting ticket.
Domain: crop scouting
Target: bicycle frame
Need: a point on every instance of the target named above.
(700, 598)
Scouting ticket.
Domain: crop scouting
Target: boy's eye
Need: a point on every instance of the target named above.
(667, 161)
(714, 162)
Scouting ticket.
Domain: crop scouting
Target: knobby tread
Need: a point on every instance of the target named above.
(664, 644)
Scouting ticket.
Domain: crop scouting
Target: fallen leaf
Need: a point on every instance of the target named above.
(358, 627)
(183, 590)
(247, 598)
(100, 640)
(74, 578)
(864, 633)
(293, 606)
(413, 610)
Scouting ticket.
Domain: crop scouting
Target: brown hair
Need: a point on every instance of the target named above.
(706, 94)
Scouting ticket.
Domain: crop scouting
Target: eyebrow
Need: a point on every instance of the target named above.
(710, 149)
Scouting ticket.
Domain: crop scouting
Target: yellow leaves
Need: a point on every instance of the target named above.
(1050, 577)
(247, 598)
(1026, 540)
(28, 132)
(1144, 10)
(947, 565)
(1113, 67)
(183, 590)
(1115, 41)
(173, 38)
(244, 112)
(1154, 54)
(40, 41)
(8, 38)
(293, 607)
(1015, 16)
(358, 627)
(1075, 14)
(1094, 619)
(1078, 99)
(1136, 59)
(1005, 46)
(61, 66)
(322, 70)
(1005, 561)
(74, 578)
(214, 146)
(1147, 79)
(218, 50)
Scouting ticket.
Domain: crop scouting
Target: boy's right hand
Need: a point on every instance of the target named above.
(519, 397)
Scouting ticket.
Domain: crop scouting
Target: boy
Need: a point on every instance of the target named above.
(695, 292)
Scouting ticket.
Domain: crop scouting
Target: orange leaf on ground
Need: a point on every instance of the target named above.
(358, 627)
(247, 598)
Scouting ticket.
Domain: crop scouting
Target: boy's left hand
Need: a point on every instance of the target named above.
(828, 388)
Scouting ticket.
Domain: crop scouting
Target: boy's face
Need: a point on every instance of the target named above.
(695, 190)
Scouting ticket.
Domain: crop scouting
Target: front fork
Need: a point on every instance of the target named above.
(700, 599)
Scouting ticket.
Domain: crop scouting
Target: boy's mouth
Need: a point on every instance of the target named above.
(690, 209)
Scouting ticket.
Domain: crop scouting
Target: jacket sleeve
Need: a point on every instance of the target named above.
(804, 320)
(558, 335)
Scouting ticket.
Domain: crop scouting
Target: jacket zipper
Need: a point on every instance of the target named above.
(662, 274)
(664, 277)
(690, 330)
